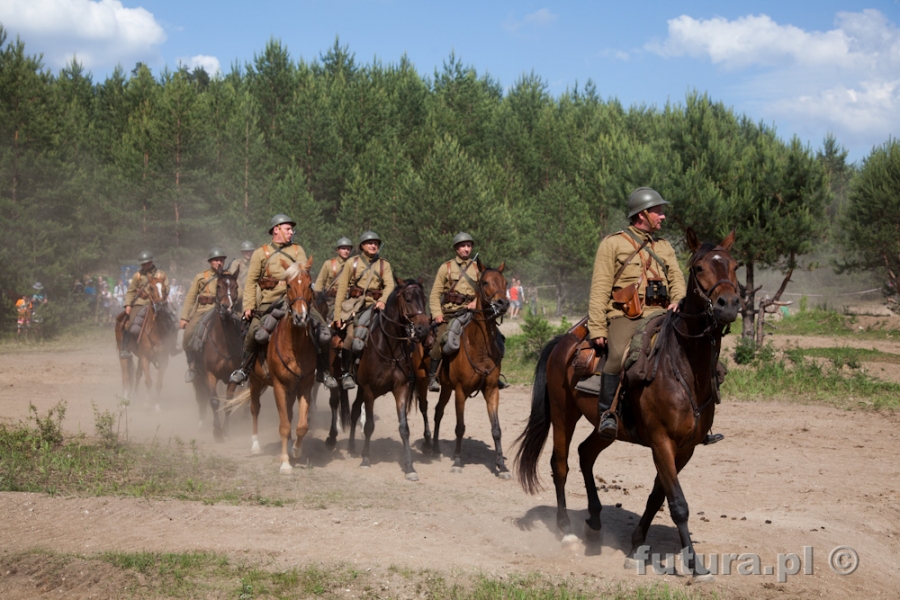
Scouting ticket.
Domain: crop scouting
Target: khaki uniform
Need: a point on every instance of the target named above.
(450, 294)
(137, 294)
(361, 286)
(605, 317)
(328, 279)
(242, 274)
(264, 284)
(200, 299)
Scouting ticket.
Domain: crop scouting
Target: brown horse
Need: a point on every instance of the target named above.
(221, 353)
(386, 364)
(670, 414)
(290, 365)
(476, 367)
(154, 343)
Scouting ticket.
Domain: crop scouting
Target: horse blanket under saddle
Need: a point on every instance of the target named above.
(201, 332)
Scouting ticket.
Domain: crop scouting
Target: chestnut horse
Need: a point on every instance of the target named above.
(670, 414)
(221, 353)
(290, 365)
(476, 367)
(154, 343)
(386, 364)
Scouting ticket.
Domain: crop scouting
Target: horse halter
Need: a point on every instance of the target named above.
(408, 316)
(706, 294)
(224, 310)
(303, 314)
(493, 308)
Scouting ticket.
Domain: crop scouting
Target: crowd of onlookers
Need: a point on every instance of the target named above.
(518, 296)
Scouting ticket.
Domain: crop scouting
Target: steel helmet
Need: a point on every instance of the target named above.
(216, 252)
(642, 199)
(280, 219)
(145, 257)
(247, 246)
(461, 237)
(368, 237)
(344, 241)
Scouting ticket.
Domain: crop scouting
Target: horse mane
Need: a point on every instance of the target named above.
(704, 249)
(292, 271)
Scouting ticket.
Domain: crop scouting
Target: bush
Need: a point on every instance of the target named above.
(745, 351)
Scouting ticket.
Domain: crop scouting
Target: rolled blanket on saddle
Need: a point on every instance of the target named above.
(321, 331)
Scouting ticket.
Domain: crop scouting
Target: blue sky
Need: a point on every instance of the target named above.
(809, 68)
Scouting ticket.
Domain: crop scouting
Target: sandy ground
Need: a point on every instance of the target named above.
(787, 477)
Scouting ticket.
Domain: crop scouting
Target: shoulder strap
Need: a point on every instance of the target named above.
(628, 260)
(464, 273)
(651, 252)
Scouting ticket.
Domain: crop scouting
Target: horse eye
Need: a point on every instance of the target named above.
(698, 269)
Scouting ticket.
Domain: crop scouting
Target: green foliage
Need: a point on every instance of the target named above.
(745, 351)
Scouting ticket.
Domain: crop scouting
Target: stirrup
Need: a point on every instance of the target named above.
(712, 438)
(347, 382)
(329, 381)
(190, 376)
(502, 384)
(125, 354)
(608, 426)
(433, 385)
(238, 376)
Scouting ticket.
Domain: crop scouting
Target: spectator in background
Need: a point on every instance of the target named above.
(514, 303)
(119, 293)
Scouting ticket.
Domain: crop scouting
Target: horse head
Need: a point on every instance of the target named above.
(491, 296)
(712, 280)
(227, 291)
(156, 291)
(299, 292)
(409, 303)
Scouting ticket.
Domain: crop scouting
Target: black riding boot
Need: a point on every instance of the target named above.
(433, 384)
(347, 380)
(323, 374)
(240, 375)
(124, 352)
(608, 422)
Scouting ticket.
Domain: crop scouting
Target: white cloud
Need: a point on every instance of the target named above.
(539, 18)
(101, 33)
(845, 80)
(210, 64)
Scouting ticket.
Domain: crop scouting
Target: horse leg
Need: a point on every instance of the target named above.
(229, 394)
(304, 402)
(254, 412)
(438, 416)
(334, 401)
(214, 404)
(284, 423)
(460, 398)
(354, 418)
(492, 400)
(422, 395)
(163, 365)
(588, 451)
(127, 376)
(401, 397)
(369, 427)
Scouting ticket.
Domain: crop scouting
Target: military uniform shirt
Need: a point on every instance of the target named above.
(329, 274)
(261, 266)
(356, 273)
(449, 273)
(140, 281)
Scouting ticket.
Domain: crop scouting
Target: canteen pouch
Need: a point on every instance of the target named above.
(629, 301)
(138, 321)
(267, 325)
(454, 333)
(359, 339)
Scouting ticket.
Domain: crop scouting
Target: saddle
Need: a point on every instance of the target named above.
(450, 341)
(640, 365)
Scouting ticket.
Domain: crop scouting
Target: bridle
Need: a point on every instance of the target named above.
(705, 295)
(491, 309)
(406, 316)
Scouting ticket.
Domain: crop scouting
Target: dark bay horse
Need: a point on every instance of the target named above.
(670, 414)
(476, 367)
(153, 345)
(386, 363)
(290, 365)
(221, 353)
(338, 399)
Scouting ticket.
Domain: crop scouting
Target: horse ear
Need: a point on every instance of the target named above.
(237, 271)
(309, 263)
(420, 280)
(692, 241)
(502, 266)
(728, 241)
(479, 263)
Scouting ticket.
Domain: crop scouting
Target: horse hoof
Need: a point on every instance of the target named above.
(505, 475)
(590, 534)
(412, 476)
(365, 464)
(702, 578)
(455, 469)
(331, 443)
(254, 448)
(570, 541)
(286, 468)
(218, 437)
(630, 564)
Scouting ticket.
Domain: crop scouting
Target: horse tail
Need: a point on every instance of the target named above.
(531, 442)
(238, 401)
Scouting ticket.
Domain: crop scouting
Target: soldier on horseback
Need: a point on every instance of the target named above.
(331, 272)
(200, 300)
(137, 298)
(636, 276)
(453, 292)
(364, 284)
(247, 248)
(266, 287)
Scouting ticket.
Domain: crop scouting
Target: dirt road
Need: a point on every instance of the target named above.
(786, 477)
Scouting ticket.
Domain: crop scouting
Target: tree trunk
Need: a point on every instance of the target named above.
(748, 312)
(560, 293)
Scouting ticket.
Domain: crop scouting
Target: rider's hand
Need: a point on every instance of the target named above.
(183, 323)
(471, 305)
(379, 305)
(599, 342)
(439, 318)
(673, 307)
(128, 310)
(337, 324)
(247, 314)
